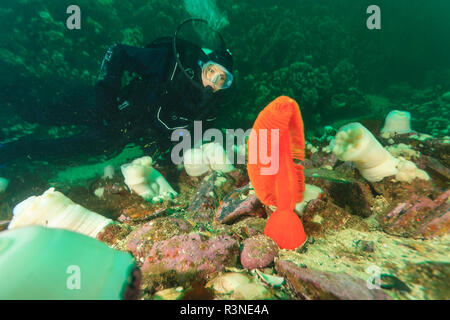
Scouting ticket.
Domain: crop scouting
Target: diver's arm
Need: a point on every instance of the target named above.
(120, 58)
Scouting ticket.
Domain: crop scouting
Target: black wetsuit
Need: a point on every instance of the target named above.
(158, 100)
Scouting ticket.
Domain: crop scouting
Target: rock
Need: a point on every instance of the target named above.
(366, 246)
(191, 256)
(139, 211)
(437, 171)
(239, 176)
(258, 252)
(239, 203)
(355, 195)
(348, 193)
(198, 291)
(141, 240)
(322, 215)
(321, 160)
(419, 217)
(318, 285)
(206, 199)
(426, 145)
(113, 233)
(397, 191)
(249, 227)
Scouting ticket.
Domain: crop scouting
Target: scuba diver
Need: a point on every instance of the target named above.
(176, 82)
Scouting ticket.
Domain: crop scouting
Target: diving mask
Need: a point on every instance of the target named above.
(216, 75)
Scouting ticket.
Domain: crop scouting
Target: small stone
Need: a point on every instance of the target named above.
(249, 227)
(435, 169)
(239, 203)
(366, 246)
(258, 252)
(191, 256)
(346, 193)
(318, 285)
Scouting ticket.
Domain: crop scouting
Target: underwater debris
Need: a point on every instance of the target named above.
(271, 280)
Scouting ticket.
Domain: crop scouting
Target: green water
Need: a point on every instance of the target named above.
(319, 52)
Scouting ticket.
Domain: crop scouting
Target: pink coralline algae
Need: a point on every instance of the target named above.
(258, 252)
(419, 217)
(141, 239)
(192, 254)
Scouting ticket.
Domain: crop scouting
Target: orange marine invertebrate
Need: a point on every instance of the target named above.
(277, 139)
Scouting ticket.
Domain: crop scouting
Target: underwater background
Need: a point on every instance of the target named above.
(319, 53)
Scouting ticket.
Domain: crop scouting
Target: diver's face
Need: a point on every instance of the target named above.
(213, 76)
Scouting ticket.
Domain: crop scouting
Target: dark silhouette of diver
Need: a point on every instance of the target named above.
(176, 82)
